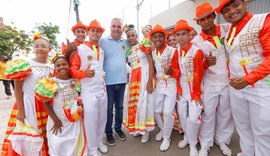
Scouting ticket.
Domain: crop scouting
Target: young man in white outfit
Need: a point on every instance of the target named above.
(217, 122)
(248, 46)
(167, 74)
(89, 59)
(189, 103)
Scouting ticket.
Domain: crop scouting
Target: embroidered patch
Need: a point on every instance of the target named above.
(90, 58)
(123, 47)
(222, 40)
(73, 85)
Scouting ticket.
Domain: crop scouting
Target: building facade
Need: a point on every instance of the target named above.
(186, 10)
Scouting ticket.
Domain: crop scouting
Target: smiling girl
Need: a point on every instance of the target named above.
(140, 104)
(26, 133)
(65, 113)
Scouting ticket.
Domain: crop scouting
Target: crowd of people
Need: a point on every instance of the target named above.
(211, 82)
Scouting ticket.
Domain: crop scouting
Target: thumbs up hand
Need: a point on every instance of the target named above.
(168, 71)
(211, 60)
(89, 72)
(71, 48)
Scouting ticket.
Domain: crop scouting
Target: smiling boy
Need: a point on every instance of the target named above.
(189, 102)
(167, 74)
(248, 45)
(217, 122)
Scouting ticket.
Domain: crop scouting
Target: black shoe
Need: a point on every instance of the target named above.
(121, 135)
(110, 140)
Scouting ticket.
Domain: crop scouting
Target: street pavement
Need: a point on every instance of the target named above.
(131, 147)
(5, 110)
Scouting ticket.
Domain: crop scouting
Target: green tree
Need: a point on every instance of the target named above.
(50, 31)
(12, 40)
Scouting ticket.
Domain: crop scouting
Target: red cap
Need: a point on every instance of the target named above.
(158, 28)
(203, 10)
(95, 24)
(222, 3)
(78, 25)
(181, 25)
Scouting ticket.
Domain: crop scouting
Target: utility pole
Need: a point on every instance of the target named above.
(2, 25)
(138, 14)
(123, 15)
(76, 9)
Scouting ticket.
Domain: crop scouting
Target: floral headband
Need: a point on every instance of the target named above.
(39, 35)
(56, 57)
(125, 27)
(128, 27)
(148, 26)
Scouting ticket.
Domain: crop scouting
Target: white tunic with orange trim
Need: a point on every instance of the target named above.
(165, 82)
(217, 74)
(94, 95)
(186, 65)
(71, 141)
(96, 84)
(246, 50)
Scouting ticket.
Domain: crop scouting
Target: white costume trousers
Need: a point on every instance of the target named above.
(164, 104)
(217, 121)
(251, 113)
(95, 118)
(190, 119)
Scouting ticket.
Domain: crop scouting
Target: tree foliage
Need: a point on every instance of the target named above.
(12, 40)
(50, 31)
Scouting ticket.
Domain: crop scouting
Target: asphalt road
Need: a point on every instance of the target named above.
(131, 147)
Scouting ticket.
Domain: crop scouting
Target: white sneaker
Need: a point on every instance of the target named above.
(203, 151)
(136, 134)
(96, 154)
(103, 148)
(225, 149)
(240, 154)
(182, 144)
(193, 151)
(99, 153)
(159, 136)
(145, 137)
(165, 145)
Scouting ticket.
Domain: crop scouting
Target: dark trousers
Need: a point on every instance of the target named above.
(7, 86)
(115, 95)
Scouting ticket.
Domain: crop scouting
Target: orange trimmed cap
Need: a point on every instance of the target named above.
(222, 3)
(95, 24)
(158, 28)
(181, 25)
(203, 10)
(78, 25)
